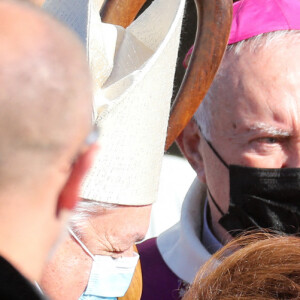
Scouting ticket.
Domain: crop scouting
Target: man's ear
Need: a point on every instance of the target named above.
(68, 197)
(189, 144)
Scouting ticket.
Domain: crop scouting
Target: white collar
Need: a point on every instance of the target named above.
(180, 246)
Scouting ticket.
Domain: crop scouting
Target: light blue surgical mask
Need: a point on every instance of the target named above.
(109, 277)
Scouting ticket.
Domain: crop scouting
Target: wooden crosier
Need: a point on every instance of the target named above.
(213, 28)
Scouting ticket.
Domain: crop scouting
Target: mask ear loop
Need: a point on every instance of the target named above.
(81, 243)
(215, 203)
(212, 148)
(216, 153)
(223, 162)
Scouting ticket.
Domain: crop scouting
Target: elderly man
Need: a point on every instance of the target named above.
(132, 103)
(46, 101)
(244, 146)
(97, 259)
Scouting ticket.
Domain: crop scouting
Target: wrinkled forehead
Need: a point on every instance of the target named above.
(253, 80)
(272, 63)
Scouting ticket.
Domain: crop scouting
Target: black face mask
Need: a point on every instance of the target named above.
(261, 198)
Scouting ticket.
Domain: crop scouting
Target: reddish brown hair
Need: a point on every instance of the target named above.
(263, 266)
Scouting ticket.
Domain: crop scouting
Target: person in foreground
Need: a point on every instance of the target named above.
(243, 143)
(260, 266)
(45, 119)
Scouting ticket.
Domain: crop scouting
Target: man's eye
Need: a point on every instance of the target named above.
(266, 141)
(269, 140)
(266, 144)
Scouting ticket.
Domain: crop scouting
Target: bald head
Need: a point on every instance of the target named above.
(45, 90)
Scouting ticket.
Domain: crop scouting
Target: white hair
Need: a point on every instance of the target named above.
(85, 209)
(204, 114)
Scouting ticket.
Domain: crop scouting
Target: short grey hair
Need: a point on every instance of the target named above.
(84, 210)
(204, 114)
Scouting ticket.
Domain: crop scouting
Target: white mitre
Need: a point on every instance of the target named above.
(134, 72)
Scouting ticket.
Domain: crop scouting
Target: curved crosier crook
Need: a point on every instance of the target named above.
(120, 12)
(213, 28)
